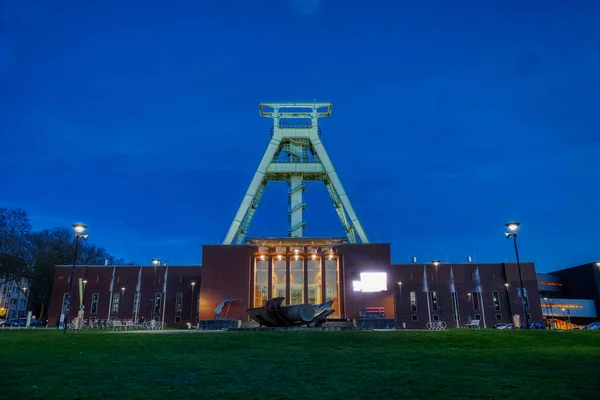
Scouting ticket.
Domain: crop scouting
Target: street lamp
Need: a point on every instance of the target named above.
(192, 302)
(438, 297)
(79, 229)
(512, 227)
(155, 262)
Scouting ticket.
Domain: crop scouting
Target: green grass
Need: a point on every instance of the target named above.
(308, 365)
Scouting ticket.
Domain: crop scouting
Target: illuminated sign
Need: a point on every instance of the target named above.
(551, 283)
(558, 305)
(371, 282)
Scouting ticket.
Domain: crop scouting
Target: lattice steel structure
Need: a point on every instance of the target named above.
(295, 154)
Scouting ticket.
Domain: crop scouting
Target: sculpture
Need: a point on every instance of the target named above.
(273, 314)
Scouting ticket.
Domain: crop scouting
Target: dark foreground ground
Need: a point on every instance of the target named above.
(301, 365)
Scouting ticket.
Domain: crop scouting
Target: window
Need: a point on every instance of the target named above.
(411, 276)
(478, 317)
(178, 319)
(118, 278)
(278, 280)
(472, 276)
(413, 301)
(454, 298)
(475, 298)
(115, 303)
(158, 303)
(436, 317)
(496, 297)
(94, 305)
(456, 317)
(296, 279)
(261, 282)
(415, 317)
(434, 302)
(97, 278)
(498, 317)
(179, 303)
(136, 303)
(493, 276)
(65, 302)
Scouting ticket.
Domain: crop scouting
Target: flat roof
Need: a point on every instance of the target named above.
(296, 241)
(126, 266)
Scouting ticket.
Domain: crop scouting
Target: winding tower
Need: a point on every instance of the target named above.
(295, 154)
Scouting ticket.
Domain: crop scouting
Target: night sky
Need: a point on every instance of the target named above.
(449, 119)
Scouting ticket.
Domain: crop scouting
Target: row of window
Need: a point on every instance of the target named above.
(118, 280)
(474, 297)
(432, 276)
(136, 303)
(435, 317)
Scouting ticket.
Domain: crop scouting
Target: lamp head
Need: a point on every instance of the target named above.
(193, 283)
(506, 284)
(123, 288)
(84, 281)
(84, 237)
(508, 234)
(436, 262)
(512, 226)
(78, 227)
(155, 261)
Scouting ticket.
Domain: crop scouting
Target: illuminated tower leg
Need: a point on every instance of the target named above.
(296, 206)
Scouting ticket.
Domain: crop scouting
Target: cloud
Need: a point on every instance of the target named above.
(306, 7)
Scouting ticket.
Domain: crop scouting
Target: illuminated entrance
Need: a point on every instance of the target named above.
(301, 270)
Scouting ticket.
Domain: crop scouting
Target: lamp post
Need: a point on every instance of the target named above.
(155, 262)
(506, 285)
(122, 299)
(438, 297)
(512, 227)
(79, 229)
(192, 302)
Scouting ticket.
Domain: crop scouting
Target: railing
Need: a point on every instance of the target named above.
(285, 125)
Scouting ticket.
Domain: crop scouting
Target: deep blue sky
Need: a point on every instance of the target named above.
(449, 119)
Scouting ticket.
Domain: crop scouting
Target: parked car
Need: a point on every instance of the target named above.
(594, 326)
(506, 326)
(534, 325)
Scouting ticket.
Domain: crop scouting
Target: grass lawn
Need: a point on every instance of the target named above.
(308, 365)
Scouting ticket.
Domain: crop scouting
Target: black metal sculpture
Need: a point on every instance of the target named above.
(273, 314)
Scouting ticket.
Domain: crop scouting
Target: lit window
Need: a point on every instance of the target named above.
(434, 302)
(496, 297)
(413, 301)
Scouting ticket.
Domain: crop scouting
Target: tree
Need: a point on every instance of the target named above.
(33, 255)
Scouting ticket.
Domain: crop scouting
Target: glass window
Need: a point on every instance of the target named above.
(434, 302)
(297, 280)
(315, 280)
(115, 303)
(436, 317)
(456, 317)
(478, 317)
(65, 301)
(261, 287)
(94, 305)
(493, 276)
(279, 279)
(415, 317)
(413, 301)
(475, 299)
(498, 317)
(496, 297)
(331, 280)
(454, 298)
(179, 303)
(158, 304)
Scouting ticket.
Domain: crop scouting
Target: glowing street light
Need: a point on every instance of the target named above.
(79, 228)
(192, 302)
(512, 227)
